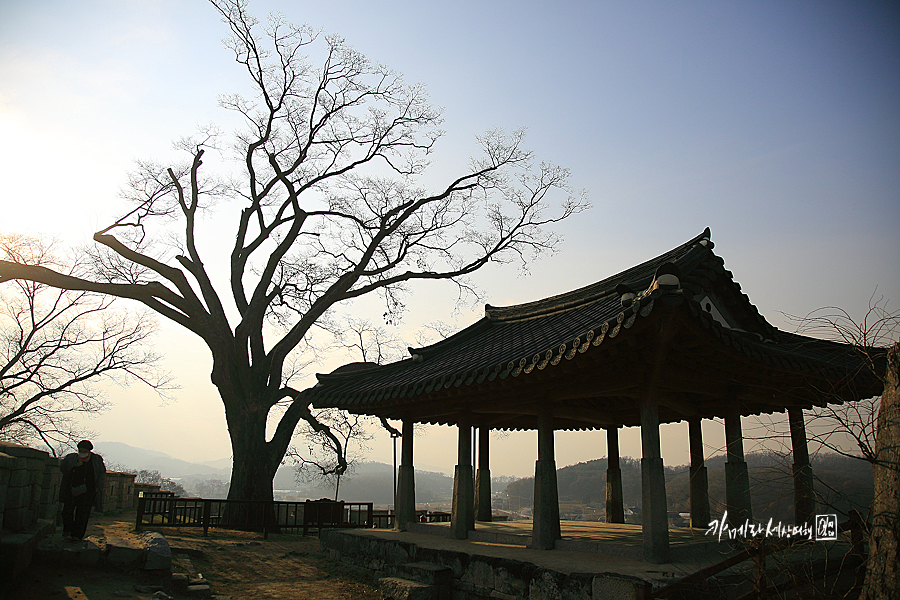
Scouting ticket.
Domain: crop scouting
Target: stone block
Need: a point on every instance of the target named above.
(179, 581)
(394, 588)
(613, 588)
(19, 476)
(510, 580)
(16, 519)
(425, 572)
(17, 549)
(123, 553)
(479, 573)
(15, 496)
(552, 585)
(53, 550)
(16, 552)
(502, 596)
(50, 510)
(35, 466)
(199, 591)
(159, 555)
(47, 476)
(21, 451)
(7, 461)
(87, 553)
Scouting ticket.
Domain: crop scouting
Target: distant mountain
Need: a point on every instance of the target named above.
(841, 483)
(223, 464)
(373, 482)
(370, 482)
(119, 455)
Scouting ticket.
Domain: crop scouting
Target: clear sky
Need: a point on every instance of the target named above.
(776, 124)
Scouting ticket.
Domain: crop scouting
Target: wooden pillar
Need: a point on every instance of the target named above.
(804, 497)
(483, 476)
(737, 477)
(700, 516)
(405, 511)
(654, 515)
(545, 526)
(615, 507)
(462, 518)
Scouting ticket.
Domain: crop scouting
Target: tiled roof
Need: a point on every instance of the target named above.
(517, 340)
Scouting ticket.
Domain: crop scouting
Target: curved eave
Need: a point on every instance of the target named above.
(808, 357)
(513, 344)
(342, 390)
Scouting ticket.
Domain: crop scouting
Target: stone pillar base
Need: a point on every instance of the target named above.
(737, 493)
(615, 507)
(463, 515)
(483, 495)
(545, 527)
(654, 516)
(700, 516)
(405, 511)
(804, 497)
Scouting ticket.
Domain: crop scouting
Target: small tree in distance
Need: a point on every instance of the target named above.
(341, 439)
(155, 478)
(331, 208)
(324, 461)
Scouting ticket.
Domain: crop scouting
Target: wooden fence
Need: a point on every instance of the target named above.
(167, 510)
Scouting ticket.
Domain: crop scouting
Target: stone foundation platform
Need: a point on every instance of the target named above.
(417, 566)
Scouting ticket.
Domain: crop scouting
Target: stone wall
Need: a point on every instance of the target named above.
(120, 493)
(29, 487)
(29, 492)
(404, 569)
(29, 502)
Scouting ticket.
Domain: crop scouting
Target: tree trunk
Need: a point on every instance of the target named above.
(883, 569)
(253, 469)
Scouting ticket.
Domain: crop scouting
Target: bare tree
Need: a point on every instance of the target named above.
(851, 428)
(372, 343)
(340, 440)
(56, 346)
(331, 209)
(329, 457)
(434, 331)
(873, 427)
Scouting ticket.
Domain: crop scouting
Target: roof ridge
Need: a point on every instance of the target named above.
(594, 291)
(567, 300)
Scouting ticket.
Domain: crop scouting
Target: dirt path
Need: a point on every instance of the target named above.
(284, 567)
(237, 564)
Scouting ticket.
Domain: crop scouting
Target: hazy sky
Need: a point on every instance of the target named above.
(776, 124)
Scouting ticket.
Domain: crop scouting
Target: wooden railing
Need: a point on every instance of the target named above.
(757, 552)
(383, 519)
(167, 510)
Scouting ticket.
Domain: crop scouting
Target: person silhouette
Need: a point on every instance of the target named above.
(83, 482)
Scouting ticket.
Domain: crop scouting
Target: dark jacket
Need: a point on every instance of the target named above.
(68, 463)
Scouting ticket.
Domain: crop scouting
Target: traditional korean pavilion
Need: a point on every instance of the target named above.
(668, 340)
